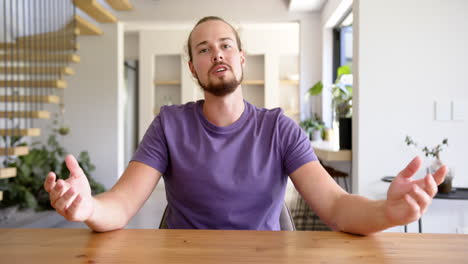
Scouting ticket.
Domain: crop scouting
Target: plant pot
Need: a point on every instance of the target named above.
(345, 126)
(327, 134)
(316, 135)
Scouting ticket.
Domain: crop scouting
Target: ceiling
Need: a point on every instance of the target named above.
(306, 5)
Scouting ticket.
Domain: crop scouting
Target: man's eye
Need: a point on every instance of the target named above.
(226, 46)
(203, 51)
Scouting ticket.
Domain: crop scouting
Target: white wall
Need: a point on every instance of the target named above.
(410, 53)
(93, 102)
(131, 48)
(310, 61)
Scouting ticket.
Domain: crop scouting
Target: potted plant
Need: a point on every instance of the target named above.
(26, 189)
(446, 185)
(342, 95)
(313, 128)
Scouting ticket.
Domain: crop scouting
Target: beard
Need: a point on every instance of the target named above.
(223, 88)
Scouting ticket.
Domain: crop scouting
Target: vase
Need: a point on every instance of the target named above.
(446, 185)
(345, 132)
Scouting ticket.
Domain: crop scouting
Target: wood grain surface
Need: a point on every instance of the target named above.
(208, 246)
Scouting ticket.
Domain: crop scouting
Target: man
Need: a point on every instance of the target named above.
(225, 162)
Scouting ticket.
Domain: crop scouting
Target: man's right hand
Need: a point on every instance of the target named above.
(71, 197)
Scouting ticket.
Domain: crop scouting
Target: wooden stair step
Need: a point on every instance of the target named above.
(37, 70)
(121, 5)
(95, 10)
(55, 36)
(34, 84)
(51, 99)
(86, 27)
(40, 57)
(22, 132)
(14, 151)
(6, 173)
(25, 114)
(40, 45)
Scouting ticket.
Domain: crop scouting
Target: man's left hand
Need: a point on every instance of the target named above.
(408, 199)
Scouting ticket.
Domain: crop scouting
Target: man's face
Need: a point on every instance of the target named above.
(216, 62)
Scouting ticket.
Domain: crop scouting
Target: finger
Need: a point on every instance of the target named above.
(73, 166)
(60, 188)
(430, 185)
(439, 175)
(411, 168)
(65, 200)
(56, 192)
(413, 205)
(70, 212)
(421, 197)
(49, 182)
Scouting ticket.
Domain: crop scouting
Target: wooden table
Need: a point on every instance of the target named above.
(204, 246)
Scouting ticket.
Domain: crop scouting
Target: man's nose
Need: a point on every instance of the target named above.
(218, 56)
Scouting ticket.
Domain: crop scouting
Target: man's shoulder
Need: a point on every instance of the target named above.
(276, 114)
(178, 109)
(264, 112)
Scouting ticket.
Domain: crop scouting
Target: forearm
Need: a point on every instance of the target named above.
(109, 213)
(359, 215)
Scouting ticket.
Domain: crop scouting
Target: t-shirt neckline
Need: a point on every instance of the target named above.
(227, 129)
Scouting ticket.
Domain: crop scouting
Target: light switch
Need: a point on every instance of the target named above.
(443, 110)
(458, 110)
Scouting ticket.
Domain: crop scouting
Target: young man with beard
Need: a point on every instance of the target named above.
(225, 162)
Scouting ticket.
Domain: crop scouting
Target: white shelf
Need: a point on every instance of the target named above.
(253, 82)
(262, 82)
(167, 82)
(289, 82)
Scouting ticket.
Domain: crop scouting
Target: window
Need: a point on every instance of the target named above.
(343, 44)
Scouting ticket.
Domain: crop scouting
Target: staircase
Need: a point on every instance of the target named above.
(37, 50)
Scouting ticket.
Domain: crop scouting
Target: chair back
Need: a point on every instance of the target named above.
(286, 220)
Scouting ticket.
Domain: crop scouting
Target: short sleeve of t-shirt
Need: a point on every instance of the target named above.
(296, 149)
(153, 150)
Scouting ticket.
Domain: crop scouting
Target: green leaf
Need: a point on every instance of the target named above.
(24, 170)
(343, 70)
(316, 89)
(30, 200)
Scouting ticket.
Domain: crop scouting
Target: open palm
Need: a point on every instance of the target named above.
(408, 199)
(71, 197)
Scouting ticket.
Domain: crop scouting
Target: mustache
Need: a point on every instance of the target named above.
(218, 64)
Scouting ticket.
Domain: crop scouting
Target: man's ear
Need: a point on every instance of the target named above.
(242, 58)
(192, 69)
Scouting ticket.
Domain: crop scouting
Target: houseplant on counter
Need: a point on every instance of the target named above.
(26, 189)
(313, 128)
(446, 185)
(342, 95)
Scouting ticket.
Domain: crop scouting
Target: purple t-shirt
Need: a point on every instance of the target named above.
(230, 177)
